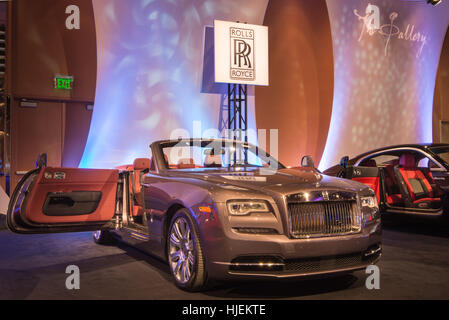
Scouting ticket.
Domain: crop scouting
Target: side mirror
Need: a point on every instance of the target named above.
(344, 162)
(41, 161)
(307, 161)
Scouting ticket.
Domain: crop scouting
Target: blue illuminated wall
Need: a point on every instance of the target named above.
(150, 77)
(383, 87)
(149, 81)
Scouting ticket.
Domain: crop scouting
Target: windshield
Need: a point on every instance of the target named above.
(216, 154)
(442, 152)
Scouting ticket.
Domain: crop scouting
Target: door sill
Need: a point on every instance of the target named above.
(134, 227)
(436, 213)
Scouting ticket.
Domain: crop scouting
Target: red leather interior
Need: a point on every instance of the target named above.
(73, 180)
(427, 199)
(394, 198)
(372, 182)
(409, 172)
(125, 167)
(391, 184)
(139, 165)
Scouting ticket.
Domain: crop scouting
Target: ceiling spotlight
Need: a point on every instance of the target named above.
(434, 2)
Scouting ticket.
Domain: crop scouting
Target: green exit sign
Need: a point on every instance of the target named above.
(63, 82)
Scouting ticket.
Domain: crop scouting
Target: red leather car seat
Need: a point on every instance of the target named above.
(418, 187)
(393, 194)
(139, 165)
(371, 179)
(372, 182)
(437, 192)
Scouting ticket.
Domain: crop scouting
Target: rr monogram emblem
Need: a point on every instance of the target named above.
(242, 54)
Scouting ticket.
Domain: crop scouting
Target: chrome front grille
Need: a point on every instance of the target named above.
(324, 218)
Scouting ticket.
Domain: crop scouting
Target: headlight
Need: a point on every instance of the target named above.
(370, 209)
(370, 202)
(244, 207)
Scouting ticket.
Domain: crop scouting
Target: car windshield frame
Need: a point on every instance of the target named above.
(213, 143)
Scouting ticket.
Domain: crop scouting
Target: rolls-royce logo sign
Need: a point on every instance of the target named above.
(325, 196)
(242, 54)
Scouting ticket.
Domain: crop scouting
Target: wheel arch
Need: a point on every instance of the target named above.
(171, 211)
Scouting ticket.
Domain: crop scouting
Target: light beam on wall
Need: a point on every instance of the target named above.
(384, 80)
(150, 55)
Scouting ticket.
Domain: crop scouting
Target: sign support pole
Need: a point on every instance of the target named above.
(238, 114)
(237, 47)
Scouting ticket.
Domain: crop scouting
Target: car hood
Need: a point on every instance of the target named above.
(283, 181)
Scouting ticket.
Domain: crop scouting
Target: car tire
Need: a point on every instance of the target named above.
(185, 254)
(103, 237)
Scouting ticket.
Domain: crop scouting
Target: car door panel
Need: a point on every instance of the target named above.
(50, 199)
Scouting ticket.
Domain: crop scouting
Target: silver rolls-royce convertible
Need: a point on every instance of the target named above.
(213, 209)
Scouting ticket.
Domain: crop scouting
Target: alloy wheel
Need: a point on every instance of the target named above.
(182, 253)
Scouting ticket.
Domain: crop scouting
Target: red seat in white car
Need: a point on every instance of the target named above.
(419, 189)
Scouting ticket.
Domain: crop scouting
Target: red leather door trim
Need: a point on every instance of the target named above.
(66, 180)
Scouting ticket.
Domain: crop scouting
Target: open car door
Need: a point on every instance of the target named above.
(50, 200)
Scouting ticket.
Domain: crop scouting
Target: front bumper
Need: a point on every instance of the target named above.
(265, 267)
(233, 255)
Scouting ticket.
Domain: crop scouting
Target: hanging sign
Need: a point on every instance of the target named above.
(63, 82)
(241, 53)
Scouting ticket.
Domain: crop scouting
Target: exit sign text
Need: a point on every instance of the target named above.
(63, 82)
